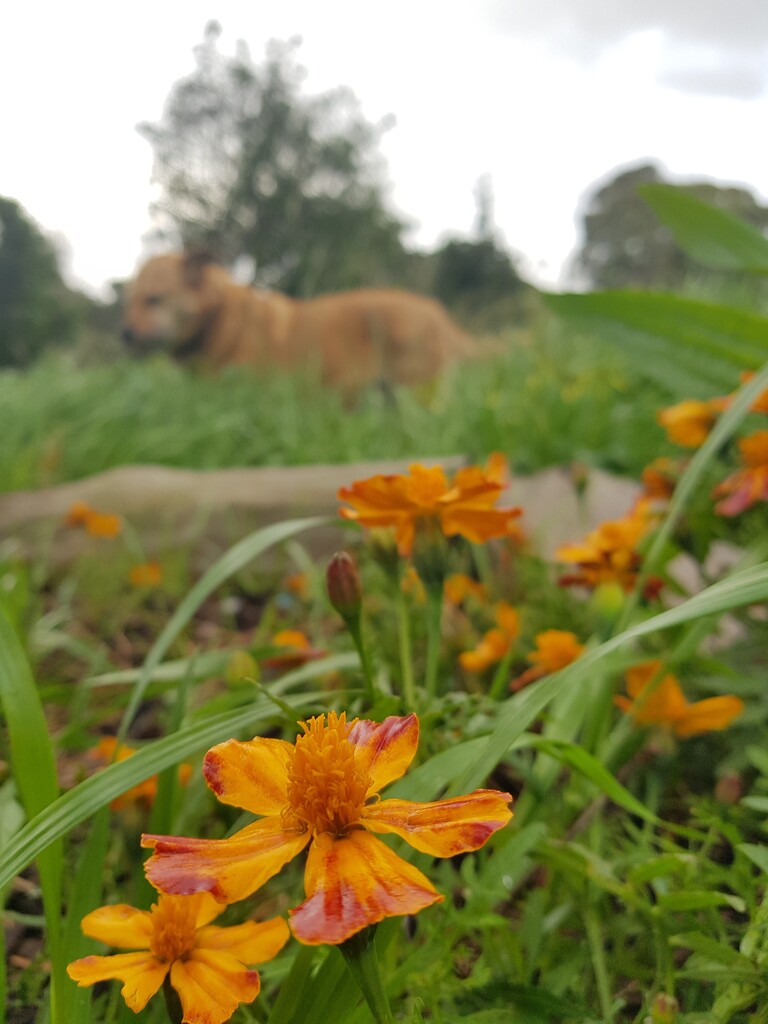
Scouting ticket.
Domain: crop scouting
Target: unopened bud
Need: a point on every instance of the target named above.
(344, 588)
(664, 1009)
(241, 669)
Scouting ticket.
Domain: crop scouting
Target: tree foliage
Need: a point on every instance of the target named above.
(248, 166)
(625, 245)
(36, 308)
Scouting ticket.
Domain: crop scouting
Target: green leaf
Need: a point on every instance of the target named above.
(577, 757)
(232, 561)
(704, 343)
(85, 799)
(757, 854)
(713, 950)
(697, 899)
(710, 235)
(749, 586)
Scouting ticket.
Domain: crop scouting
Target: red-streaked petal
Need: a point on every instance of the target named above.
(212, 985)
(252, 775)
(142, 975)
(119, 925)
(385, 749)
(254, 942)
(354, 882)
(445, 827)
(229, 869)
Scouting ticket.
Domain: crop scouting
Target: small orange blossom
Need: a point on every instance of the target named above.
(555, 648)
(323, 793)
(609, 553)
(658, 699)
(688, 423)
(425, 496)
(146, 574)
(748, 485)
(145, 792)
(496, 642)
(206, 964)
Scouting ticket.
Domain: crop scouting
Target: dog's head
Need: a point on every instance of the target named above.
(171, 301)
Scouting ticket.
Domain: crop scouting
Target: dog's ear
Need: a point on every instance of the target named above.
(193, 267)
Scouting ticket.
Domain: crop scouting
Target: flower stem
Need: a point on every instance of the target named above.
(356, 632)
(406, 653)
(434, 616)
(172, 1002)
(359, 951)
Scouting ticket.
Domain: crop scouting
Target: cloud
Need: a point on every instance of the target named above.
(708, 46)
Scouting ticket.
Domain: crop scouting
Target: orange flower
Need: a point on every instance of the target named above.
(298, 583)
(323, 793)
(609, 554)
(98, 524)
(747, 485)
(555, 648)
(407, 502)
(496, 642)
(660, 477)
(298, 650)
(459, 587)
(148, 574)
(146, 791)
(661, 701)
(760, 404)
(689, 423)
(206, 964)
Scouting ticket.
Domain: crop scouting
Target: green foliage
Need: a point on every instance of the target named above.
(250, 167)
(626, 246)
(36, 309)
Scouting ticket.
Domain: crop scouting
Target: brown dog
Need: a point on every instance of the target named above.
(191, 307)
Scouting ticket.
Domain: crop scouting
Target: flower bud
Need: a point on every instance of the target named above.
(240, 670)
(344, 588)
(664, 1009)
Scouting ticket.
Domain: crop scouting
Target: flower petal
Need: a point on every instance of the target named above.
(212, 985)
(252, 775)
(385, 749)
(445, 827)
(119, 925)
(708, 715)
(142, 975)
(229, 869)
(254, 942)
(354, 882)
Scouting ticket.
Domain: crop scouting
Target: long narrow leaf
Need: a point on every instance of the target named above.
(747, 587)
(231, 562)
(710, 235)
(86, 798)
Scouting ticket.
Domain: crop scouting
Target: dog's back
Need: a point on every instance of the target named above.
(194, 309)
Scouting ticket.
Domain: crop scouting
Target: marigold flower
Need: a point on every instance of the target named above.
(147, 574)
(297, 650)
(688, 423)
(656, 699)
(77, 514)
(323, 793)
(750, 484)
(609, 553)
(496, 642)
(555, 648)
(206, 964)
(146, 791)
(459, 587)
(659, 478)
(98, 524)
(462, 506)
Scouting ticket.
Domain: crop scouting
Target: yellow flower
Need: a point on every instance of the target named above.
(459, 587)
(496, 642)
(689, 423)
(463, 506)
(555, 648)
(658, 699)
(750, 484)
(323, 793)
(206, 964)
(609, 553)
(147, 574)
(98, 524)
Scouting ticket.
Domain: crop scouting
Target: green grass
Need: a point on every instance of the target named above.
(545, 401)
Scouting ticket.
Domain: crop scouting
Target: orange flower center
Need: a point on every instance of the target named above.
(173, 927)
(326, 786)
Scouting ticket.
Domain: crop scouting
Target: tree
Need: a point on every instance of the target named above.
(626, 246)
(36, 308)
(250, 167)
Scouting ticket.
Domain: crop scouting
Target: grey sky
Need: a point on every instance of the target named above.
(718, 47)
